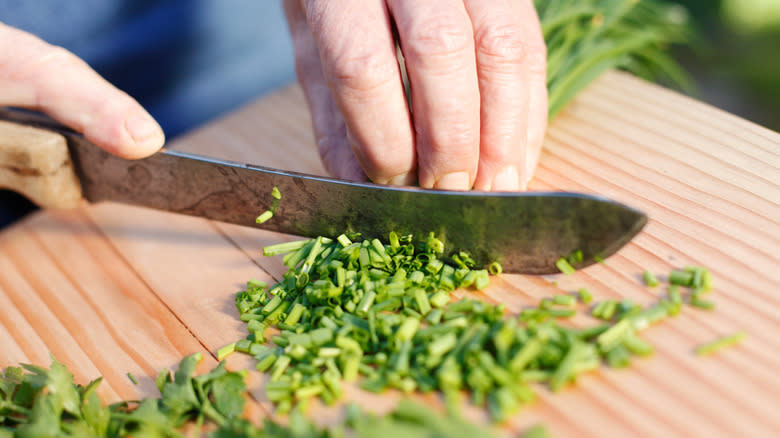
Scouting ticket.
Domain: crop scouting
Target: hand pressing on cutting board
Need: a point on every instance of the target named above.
(39, 76)
(476, 70)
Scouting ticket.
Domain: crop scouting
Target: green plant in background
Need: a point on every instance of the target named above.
(586, 38)
(736, 59)
(752, 16)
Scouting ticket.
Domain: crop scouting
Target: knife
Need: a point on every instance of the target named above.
(526, 232)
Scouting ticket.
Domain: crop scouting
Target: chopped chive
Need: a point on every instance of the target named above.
(265, 216)
(284, 248)
(344, 240)
(614, 335)
(536, 431)
(609, 309)
(295, 314)
(702, 304)
(618, 357)
(256, 284)
(564, 300)
(481, 280)
(682, 278)
(719, 344)
(564, 266)
(266, 362)
(242, 346)
(560, 313)
(421, 299)
(275, 193)
(636, 345)
(565, 370)
(442, 344)
(650, 279)
(439, 299)
(495, 268)
(132, 378)
(226, 350)
(384, 312)
(674, 294)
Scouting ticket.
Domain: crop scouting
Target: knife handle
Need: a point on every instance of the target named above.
(36, 163)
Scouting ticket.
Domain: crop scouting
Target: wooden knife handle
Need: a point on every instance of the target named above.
(36, 163)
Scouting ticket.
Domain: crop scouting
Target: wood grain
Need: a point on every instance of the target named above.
(110, 289)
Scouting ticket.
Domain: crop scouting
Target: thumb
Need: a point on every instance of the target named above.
(39, 76)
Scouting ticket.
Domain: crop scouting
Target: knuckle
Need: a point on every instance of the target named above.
(504, 42)
(536, 58)
(362, 70)
(41, 62)
(502, 148)
(458, 143)
(58, 58)
(504, 46)
(384, 163)
(441, 36)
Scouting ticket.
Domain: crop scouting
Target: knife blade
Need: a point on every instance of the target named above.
(526, 232)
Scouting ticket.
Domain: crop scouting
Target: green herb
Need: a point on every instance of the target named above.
(132, 378)
(564, 300)
(650, 279)
(381, 313)
(564, 266)
(275, 193)
(702, 304)
(585, 295)
(536, 431)
(681, 278)
(265, 216)
(46, 402)
(226, 350)
(589, 37)
(719, 344)
(495, 268)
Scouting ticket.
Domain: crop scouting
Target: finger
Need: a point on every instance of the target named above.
(329, 129)
(503, 87)
(359, 64)
(437, 42)
(36, 75)
(536, 62)
(508, 42)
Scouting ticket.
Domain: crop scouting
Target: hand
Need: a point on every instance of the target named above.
(478, 89)
(39, 76)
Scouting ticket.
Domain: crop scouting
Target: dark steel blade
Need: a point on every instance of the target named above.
(525, 232)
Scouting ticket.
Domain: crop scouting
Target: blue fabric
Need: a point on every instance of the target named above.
(185, 61)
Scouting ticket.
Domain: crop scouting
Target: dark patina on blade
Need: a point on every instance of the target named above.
(525, 232)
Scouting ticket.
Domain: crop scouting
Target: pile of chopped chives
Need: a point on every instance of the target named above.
(382, 313)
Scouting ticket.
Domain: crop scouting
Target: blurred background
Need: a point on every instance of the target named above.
(735, 61)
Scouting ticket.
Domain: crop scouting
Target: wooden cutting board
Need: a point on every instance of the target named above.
(110, 289)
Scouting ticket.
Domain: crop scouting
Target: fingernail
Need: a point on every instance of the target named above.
(404, 179)
(454, 181)
(507, 180)
(145, 131)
